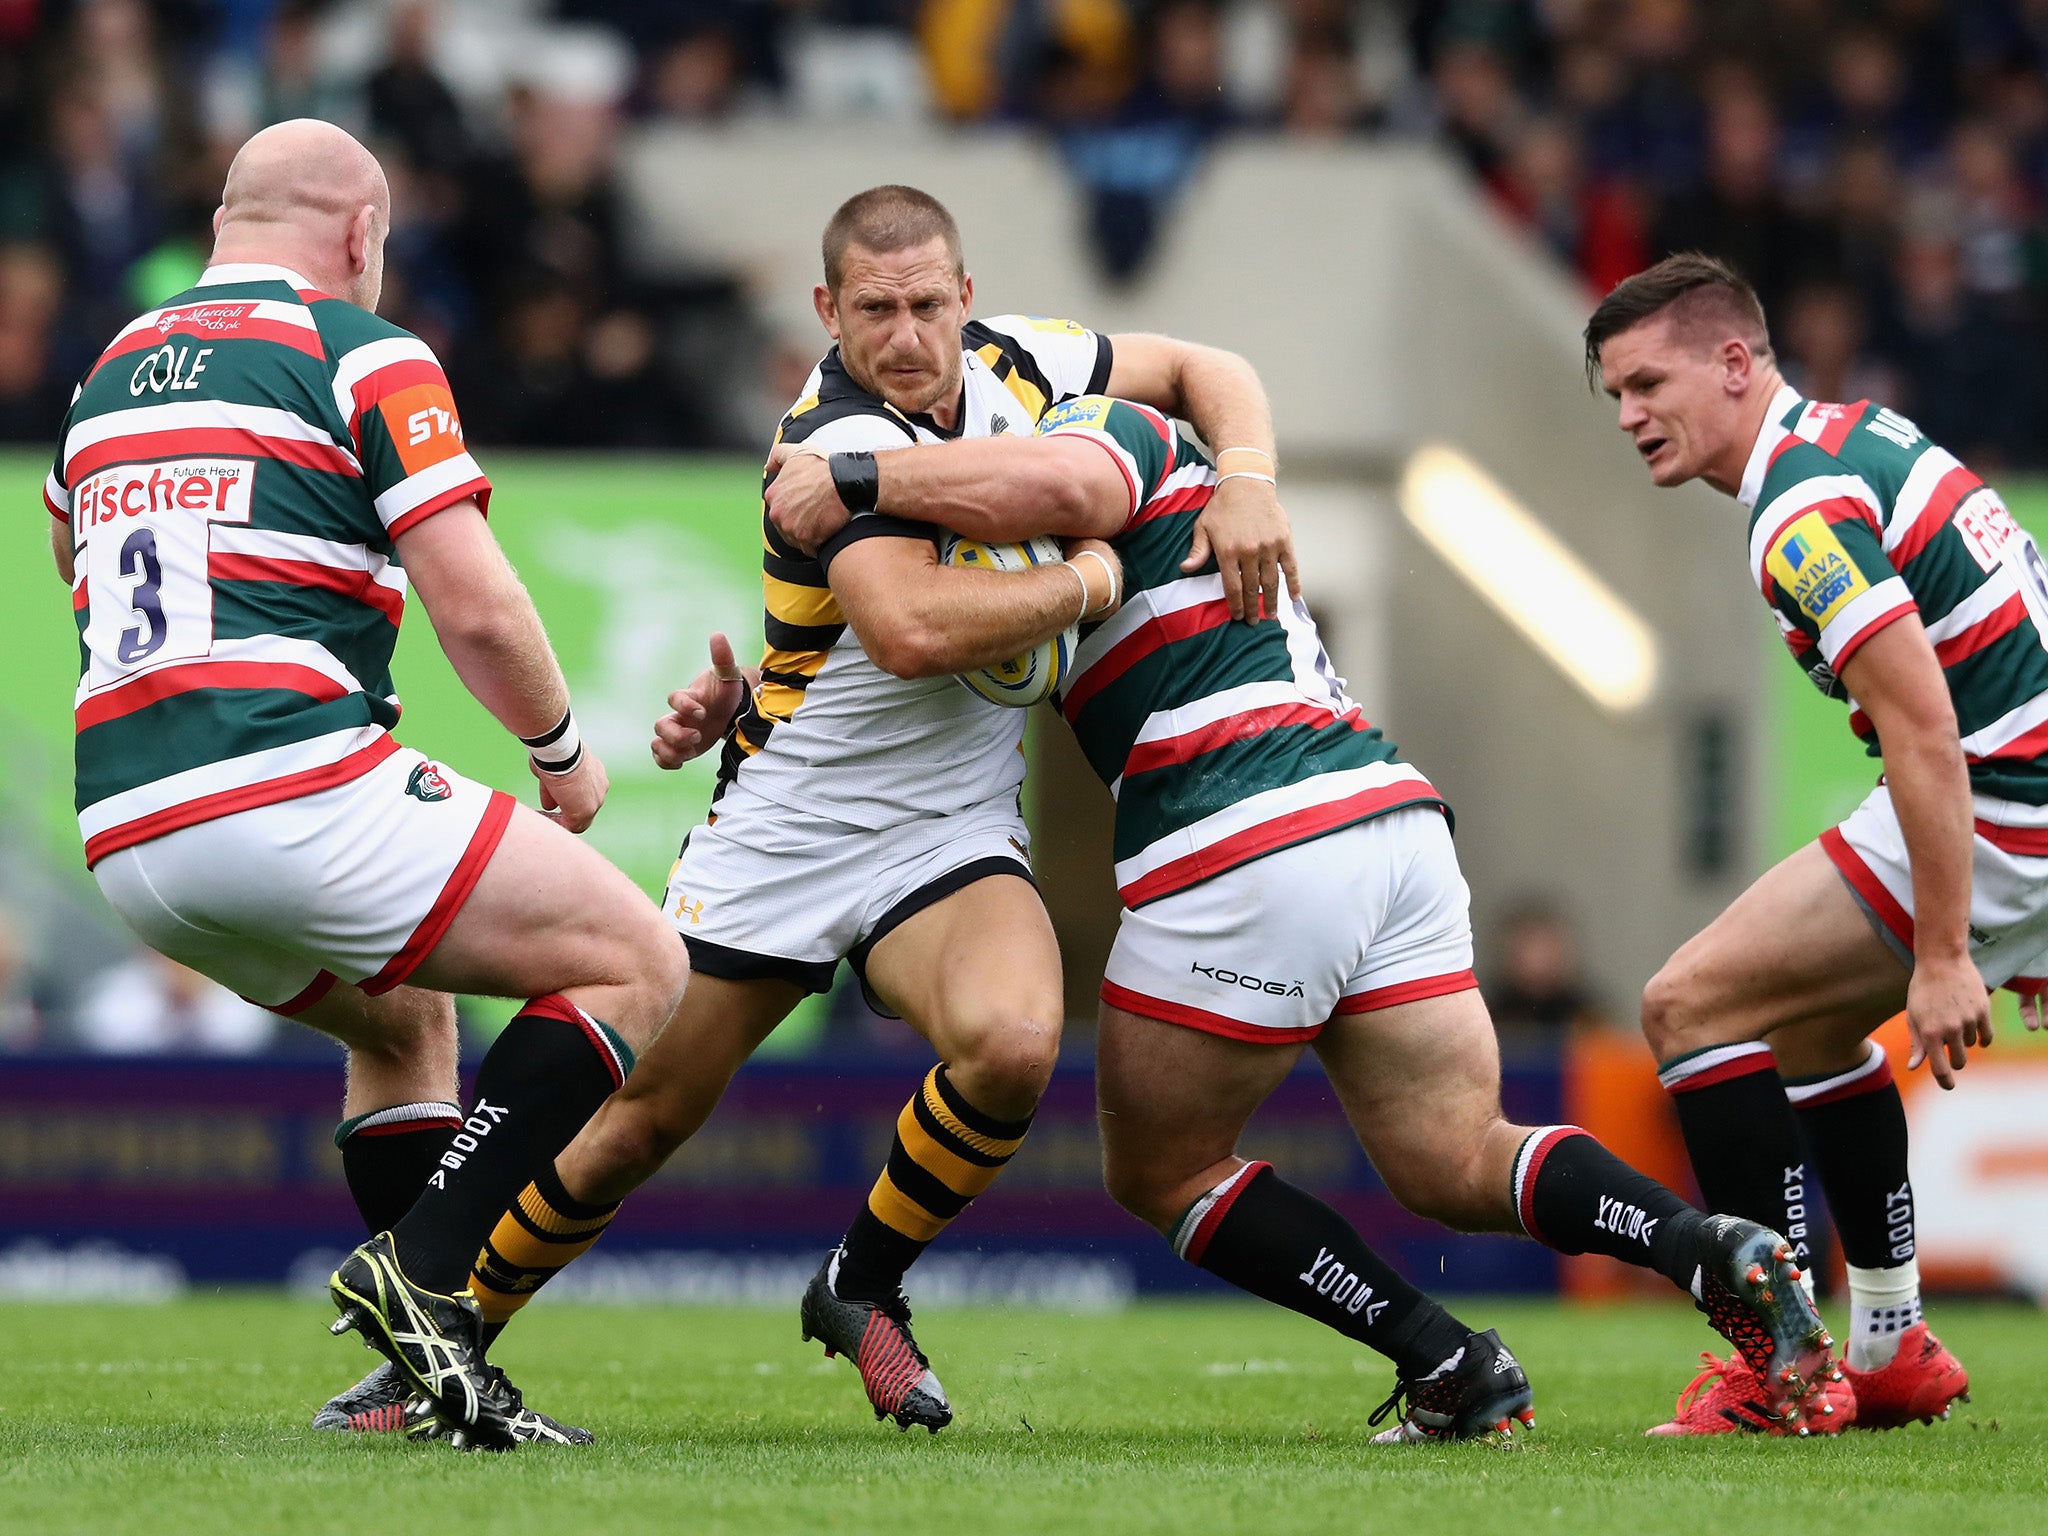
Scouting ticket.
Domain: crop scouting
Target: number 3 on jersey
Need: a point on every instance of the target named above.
(139, 558)
(143, 531)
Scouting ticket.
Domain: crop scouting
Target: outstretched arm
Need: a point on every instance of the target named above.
(1897, 679)
(1244, 525)
(988, 488)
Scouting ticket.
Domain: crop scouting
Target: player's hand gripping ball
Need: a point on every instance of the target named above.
(1023, 680)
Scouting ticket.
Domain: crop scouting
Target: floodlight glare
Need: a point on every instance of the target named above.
(1537, 584)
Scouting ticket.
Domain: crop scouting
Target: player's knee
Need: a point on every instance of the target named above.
(1006, 1061)
(659, 966)
(1139, 1185)
(1443, 1184)
(1672, 1014)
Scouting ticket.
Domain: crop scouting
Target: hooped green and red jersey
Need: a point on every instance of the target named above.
(1221, 741)
(235, 471)
(1857, 520)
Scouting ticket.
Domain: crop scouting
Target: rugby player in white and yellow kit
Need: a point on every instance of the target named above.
(867, 806)
(1288, 881)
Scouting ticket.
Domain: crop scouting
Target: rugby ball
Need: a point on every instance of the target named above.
(1023, 680)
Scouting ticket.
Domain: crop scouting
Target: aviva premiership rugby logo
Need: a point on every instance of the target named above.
(428, 783)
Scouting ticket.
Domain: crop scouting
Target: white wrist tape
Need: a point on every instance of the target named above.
(1115, 584)
(1068, 565)
(1246, 474)
(558, 750)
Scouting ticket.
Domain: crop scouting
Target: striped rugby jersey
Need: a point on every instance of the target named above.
(1857, 519)
(828, 732)
(234, 471)
(1220, 741)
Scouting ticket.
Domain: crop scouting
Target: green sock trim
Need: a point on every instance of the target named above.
(627, 1059)
(348, 1128)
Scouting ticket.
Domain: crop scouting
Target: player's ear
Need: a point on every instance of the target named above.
(1737, 363)
(361, 230)
(827, 308)
(220, 215)
(966, 295)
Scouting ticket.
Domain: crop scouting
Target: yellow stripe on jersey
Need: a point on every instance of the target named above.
(1028, 394)
(779, 700)
(793, 603)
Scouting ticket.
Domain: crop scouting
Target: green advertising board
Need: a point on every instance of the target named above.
(632, 563)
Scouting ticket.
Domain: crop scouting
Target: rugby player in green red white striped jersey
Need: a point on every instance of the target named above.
(1287, 880)
(248, 481)
(1903, 586)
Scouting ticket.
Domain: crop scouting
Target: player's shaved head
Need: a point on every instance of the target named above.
(1704, 302)
(303, 171)
(305, 195)
(885, 220)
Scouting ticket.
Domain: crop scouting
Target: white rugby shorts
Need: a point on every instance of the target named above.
(356, 883)
(1359, 919)
(763, 891)
(2008, 886)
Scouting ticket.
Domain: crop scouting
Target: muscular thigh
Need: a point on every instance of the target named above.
(1419, 1082)
(1172, 1101)
(549, 913)
(980, 959)
(1794, 947)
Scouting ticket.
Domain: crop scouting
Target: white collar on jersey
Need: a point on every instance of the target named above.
(249, 272)
(1768, 437)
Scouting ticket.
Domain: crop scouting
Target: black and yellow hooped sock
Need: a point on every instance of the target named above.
(545, 1230)
(946, 1152)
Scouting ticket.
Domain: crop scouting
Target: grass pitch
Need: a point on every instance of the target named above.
(1184, 1418)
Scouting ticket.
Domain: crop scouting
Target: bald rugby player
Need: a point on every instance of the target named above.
(1902, 586)
(250, 479)
(867, 803)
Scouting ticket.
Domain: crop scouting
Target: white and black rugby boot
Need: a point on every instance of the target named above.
(529, 1425)
(435, 1340)
(877, 1339)
(1479, 1393)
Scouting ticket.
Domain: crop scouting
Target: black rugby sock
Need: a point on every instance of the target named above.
(1855, 1125)
(1743, 1138)
(1280, 1243)
(388, 1155)
(543, 1077)
(1574, 1195)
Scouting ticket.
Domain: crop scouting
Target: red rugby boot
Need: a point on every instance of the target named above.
(1726, 1399)
(1920, 1382)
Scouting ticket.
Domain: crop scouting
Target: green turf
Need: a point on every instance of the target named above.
(1187, 1418)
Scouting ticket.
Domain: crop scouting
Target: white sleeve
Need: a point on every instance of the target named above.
(854, 434)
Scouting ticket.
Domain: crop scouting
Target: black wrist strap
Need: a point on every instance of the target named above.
(856, 479)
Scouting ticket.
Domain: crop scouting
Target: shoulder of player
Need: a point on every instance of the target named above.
(347, 328)
(850, 417)
(1017, 330)
(1805, 477)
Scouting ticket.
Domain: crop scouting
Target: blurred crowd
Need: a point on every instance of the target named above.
(1878, 167)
